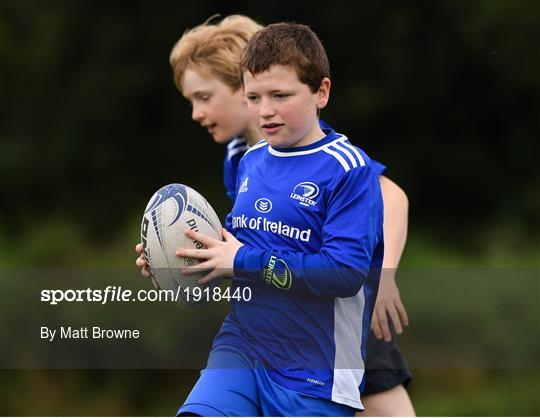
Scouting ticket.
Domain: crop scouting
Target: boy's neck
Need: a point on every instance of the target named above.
(251, 135)
(314, 135)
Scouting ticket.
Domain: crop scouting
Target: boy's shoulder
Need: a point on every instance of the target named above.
(237, 147)
(334, 152)
(335, 155)
(256, 149)
(346, 156)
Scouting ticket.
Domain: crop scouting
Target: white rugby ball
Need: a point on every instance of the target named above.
(170, 211)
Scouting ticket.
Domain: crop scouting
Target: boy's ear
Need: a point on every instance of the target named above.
(242, 90)
(324, 93)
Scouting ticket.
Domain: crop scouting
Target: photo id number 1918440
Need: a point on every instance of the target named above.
(217, 294)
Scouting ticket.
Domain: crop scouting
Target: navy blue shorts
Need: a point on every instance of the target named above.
(386, 367)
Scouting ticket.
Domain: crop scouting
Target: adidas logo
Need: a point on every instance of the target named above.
(244, 186)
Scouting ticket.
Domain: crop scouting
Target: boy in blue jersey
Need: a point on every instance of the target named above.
(307, 225)
(205, 66)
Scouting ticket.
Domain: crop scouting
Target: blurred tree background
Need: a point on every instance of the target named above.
(445, 93)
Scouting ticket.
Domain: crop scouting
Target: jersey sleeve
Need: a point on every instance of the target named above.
(235, 150)
(378, 167)
(351, 232)
(229, 178)
(232, 196)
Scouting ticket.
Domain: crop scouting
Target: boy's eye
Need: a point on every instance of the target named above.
(205, 97)
(281, 95)
(252, 98)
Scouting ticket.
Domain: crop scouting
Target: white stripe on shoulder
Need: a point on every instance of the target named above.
(347, 153)
(338, 157)
(236, 142)
(236, 151)
(258, 145)
(353, 148)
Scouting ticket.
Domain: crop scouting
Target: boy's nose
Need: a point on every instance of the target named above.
(197, 114)
(267, 108)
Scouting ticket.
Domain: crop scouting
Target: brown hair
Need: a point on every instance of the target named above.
(214, 49)
(289, 44)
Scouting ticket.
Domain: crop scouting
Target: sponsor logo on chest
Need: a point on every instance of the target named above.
(263, 205)
(305, 193)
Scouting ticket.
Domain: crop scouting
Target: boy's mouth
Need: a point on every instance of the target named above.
(210, 127)
(270, 128)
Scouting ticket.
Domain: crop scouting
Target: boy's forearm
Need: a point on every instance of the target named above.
(396, 212)
(315, 274)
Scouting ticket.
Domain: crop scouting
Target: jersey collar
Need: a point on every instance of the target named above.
(331, 135)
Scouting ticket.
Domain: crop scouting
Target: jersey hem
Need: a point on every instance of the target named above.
(353, 403)
(200, 409)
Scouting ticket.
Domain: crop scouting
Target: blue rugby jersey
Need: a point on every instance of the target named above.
(311, 221)
(236, 149)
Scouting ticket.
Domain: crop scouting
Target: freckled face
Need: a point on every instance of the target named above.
(284, 108)
(216, 106)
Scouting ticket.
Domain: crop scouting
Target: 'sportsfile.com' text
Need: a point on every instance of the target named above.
(108, 295)
(113, 294)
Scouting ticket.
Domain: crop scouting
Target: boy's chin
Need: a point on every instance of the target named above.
(273, 143)
(220, 139)
(276, 142)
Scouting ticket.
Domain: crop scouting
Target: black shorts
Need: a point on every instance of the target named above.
(385, 365)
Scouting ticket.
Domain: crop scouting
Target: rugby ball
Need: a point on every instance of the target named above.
(171, 210)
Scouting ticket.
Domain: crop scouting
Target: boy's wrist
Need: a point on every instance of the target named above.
(247, 262)
(388, 275)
